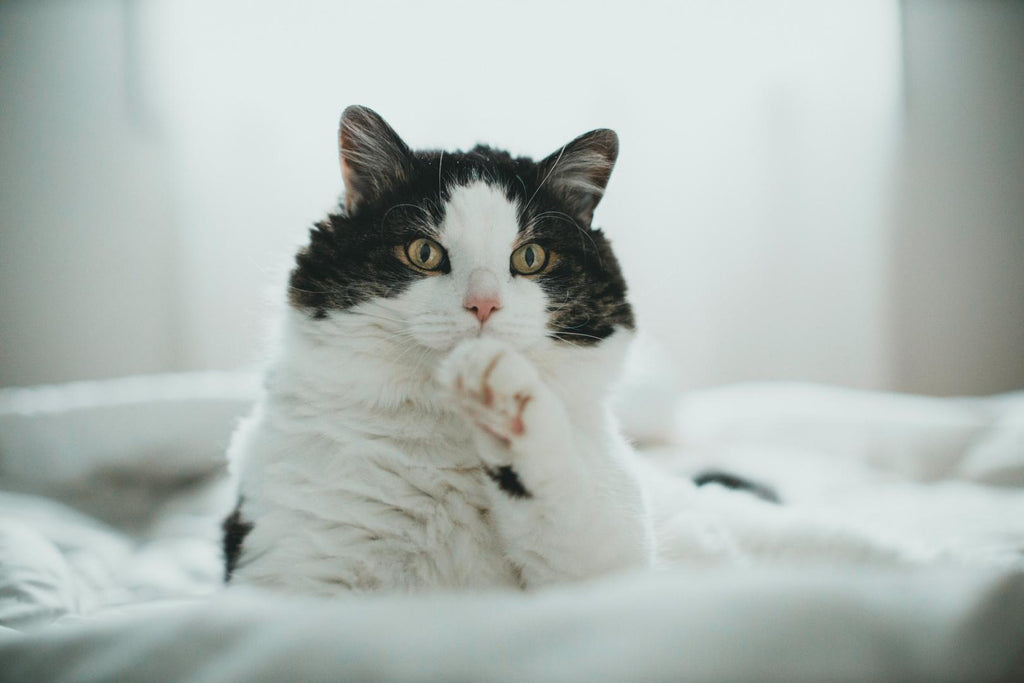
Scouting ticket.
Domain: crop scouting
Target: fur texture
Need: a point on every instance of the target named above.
(407, 438)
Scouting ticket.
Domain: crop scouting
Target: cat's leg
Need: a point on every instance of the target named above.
(566, 503)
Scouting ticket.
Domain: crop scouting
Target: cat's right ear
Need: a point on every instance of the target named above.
(579, 171)
(374, 160)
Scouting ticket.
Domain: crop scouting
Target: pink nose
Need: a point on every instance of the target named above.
(482, 307)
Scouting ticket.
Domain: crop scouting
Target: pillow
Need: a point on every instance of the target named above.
(914, 436)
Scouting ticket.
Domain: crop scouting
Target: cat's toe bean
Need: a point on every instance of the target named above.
(493, 384)
(462, 371)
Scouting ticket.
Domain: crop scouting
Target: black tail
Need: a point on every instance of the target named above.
(731, 481)
(235, 530)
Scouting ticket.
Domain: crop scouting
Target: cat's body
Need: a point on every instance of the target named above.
(437, 412)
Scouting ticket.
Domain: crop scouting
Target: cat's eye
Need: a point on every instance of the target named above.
(529, 259)
(425, 253)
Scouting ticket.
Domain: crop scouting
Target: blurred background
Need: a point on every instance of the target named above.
(824, 191)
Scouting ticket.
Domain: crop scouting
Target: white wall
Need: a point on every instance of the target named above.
(748, 206)
(87, 231)
(958, 243)
(195, 143)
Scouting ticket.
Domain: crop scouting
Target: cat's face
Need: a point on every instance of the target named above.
(435, 247)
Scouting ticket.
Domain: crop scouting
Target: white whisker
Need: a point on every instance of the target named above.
(548, 175)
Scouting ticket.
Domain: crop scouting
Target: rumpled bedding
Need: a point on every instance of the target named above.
(110, 568)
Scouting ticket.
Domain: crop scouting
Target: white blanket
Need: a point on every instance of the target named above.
(117, 580)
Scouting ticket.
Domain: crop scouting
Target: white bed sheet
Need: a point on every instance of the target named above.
(807, 624)
(131, 589)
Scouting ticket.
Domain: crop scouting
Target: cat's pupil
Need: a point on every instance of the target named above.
(425, 253)
(528, 257)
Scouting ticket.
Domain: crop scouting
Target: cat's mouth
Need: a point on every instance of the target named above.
(448, 340)
(480, 331)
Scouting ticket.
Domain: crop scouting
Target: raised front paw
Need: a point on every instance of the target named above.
(493, 385)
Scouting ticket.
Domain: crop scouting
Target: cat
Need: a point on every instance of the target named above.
(437, 412)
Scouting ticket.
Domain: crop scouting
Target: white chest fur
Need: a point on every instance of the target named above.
(365, 513)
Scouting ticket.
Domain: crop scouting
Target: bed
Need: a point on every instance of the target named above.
(110, 565)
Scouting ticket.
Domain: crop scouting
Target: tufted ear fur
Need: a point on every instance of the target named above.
(579, 172)
(374, 160)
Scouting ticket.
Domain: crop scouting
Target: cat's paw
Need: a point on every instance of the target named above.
(494, 386)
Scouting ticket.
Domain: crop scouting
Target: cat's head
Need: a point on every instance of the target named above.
(434, 247)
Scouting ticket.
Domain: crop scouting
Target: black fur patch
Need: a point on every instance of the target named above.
(731, 481)
(235, 530)
(508, 481)
(351, 256)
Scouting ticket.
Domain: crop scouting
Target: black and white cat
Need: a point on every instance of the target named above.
(437, 414)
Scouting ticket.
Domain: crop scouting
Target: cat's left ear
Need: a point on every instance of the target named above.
(579, 172)
(374, 160)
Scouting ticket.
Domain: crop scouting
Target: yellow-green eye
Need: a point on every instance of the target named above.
(529, 259)
(425, 253)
